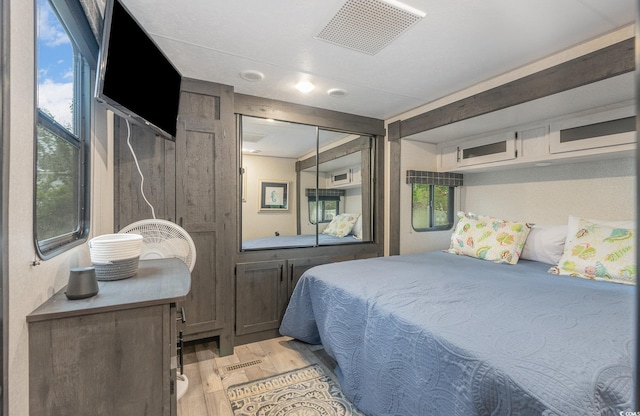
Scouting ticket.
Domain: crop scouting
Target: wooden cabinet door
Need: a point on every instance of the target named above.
(190, 182)
(205, 159)
(260, 296)
(111, 363)
(298, 266)
(156, 157)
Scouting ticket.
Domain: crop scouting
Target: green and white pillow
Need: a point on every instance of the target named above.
(341, 225)
(489, 238)
(599, 252)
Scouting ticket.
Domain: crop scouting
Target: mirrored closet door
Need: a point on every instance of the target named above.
(303, 186)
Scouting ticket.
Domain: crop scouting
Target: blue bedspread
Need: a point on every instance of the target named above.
(439, 334)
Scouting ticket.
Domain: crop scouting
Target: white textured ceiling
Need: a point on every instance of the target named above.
(458, 44)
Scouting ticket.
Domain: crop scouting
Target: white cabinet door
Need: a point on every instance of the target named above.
(496, 148)
(448, 158)
(606, 129)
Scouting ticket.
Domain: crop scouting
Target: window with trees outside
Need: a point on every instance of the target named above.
(431, 207)
(325, 208)
(62, 131)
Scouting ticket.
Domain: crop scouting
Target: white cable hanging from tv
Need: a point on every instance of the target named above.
(162, 239)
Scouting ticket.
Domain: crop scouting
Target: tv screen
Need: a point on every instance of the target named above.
(135, 78)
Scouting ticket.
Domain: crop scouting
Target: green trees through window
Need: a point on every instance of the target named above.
(431, 207)
(57, 186)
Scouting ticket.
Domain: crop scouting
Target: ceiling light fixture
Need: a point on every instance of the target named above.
(305, 86)
(251, 75)
(337, 92)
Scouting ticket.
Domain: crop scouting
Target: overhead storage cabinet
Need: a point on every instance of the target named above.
(593, 134)
(494, 148)
(606, 129)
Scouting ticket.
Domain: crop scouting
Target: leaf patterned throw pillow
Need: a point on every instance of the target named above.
(599, 252)
(341, 225)
(489, 238)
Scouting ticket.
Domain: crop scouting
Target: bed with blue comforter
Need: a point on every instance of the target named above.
(439, 334)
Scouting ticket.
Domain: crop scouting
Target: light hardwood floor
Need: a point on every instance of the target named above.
(209, 374)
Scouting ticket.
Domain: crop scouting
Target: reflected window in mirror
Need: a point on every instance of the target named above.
(323, 210)
(327, 175)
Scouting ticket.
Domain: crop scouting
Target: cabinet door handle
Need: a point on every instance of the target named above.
(180, 352)
(182, 317)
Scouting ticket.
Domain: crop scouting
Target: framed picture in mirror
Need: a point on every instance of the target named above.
(274, 195)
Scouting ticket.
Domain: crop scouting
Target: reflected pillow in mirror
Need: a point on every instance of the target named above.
(341, 225)
(357, 229)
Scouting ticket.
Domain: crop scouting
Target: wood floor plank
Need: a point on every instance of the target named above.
(231, 377)
(192, 404)
(249, 353)
(217, 404)
(283, 356)
(208, 368)
(211, 381)
(315, 354)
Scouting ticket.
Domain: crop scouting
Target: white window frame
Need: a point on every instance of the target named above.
(85, 48)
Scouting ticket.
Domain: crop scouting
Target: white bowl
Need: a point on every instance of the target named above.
(112, 247)
(106, 240)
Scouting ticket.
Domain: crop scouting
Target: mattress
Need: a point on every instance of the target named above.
(439, 334)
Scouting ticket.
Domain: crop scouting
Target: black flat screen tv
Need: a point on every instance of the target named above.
(135, 79)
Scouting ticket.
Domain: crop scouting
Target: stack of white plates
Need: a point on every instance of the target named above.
(115, 256)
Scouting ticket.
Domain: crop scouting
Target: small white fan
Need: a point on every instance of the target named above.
(164, 239)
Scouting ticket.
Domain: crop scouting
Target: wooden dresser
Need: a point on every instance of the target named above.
(111, 354)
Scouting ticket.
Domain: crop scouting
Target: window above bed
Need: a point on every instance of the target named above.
(432, 199)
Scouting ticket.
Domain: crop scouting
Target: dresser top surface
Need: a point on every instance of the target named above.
(157, 282)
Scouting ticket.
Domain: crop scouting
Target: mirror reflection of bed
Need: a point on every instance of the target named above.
(322, 180)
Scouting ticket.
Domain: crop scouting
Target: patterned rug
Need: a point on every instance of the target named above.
(307, 391)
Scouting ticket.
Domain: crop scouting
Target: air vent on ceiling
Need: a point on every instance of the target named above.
(369, 25)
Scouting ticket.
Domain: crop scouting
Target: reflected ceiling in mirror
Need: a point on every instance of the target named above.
(268, 137)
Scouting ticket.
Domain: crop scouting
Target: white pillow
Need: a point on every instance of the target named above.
(545, 243)
(357, 229)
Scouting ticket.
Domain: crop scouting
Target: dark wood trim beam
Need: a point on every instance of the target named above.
(610, 61)
(355, 145)
(297, 113)
(395, 181)
(393, 130)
